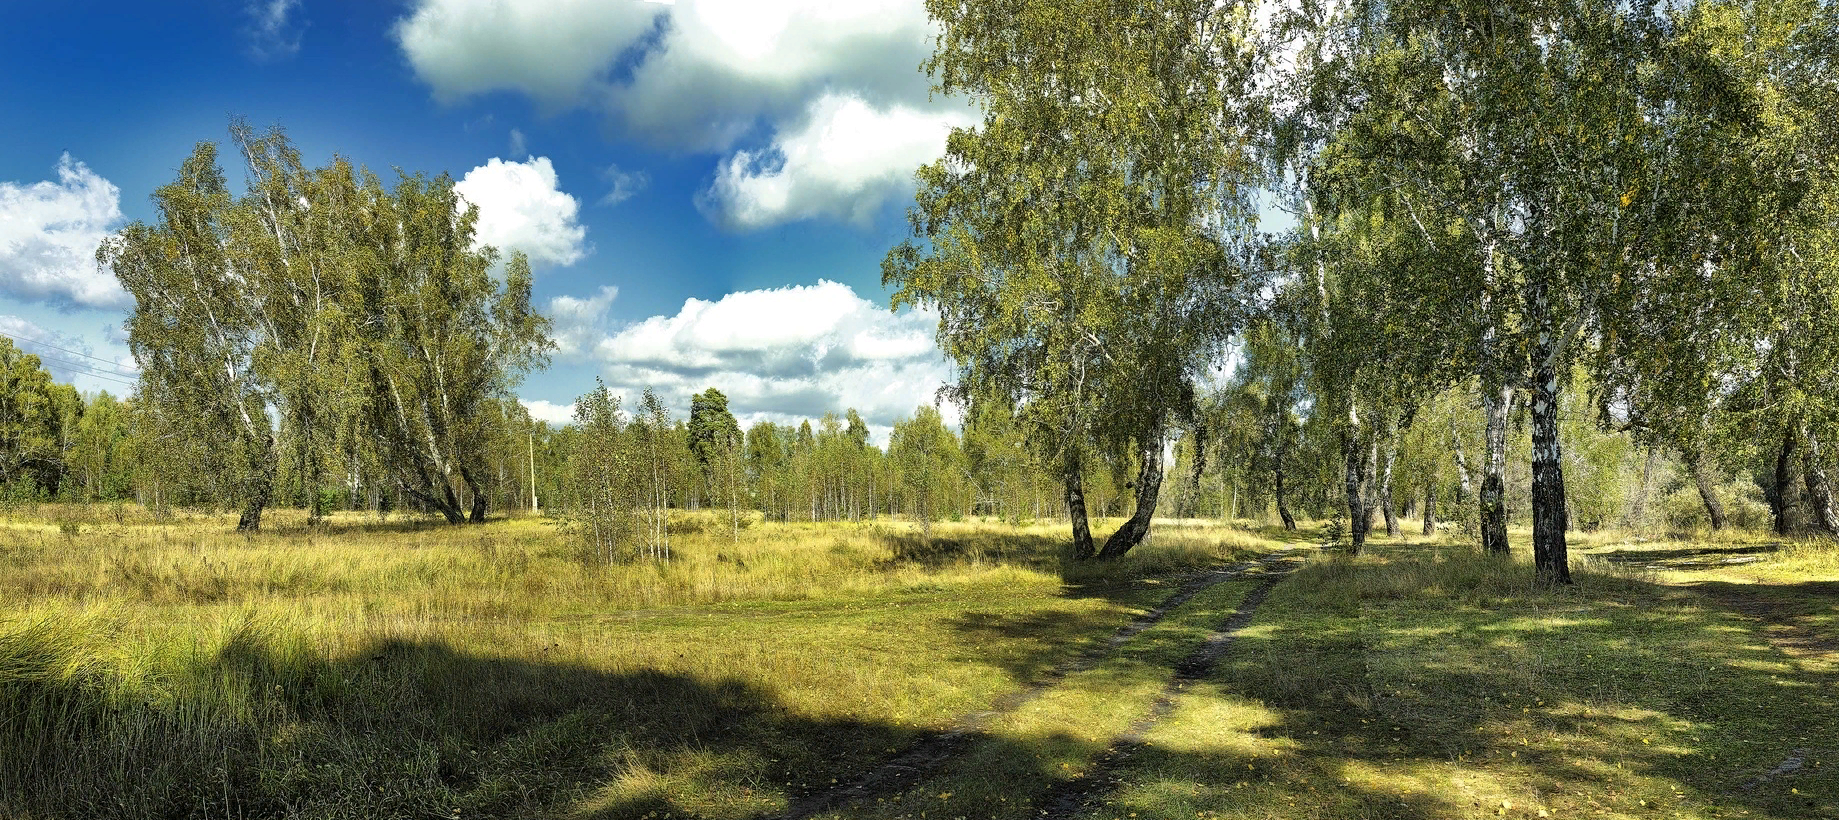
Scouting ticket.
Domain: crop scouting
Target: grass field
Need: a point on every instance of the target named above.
(406, 669)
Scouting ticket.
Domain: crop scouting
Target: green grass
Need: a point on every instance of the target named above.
(405, 669)
(1438, 683)
(408, 670)
(1056, 737)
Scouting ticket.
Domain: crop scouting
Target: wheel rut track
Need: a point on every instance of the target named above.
(1072, 798)
(925, 755)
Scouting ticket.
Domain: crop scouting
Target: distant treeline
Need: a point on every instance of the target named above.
(615, 471)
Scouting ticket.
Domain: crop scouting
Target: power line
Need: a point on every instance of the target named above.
(83, 370)
(71, 352)
(78, 367)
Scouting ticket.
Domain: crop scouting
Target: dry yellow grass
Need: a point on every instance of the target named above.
(370, 668)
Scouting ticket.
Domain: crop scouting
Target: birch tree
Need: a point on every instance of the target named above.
(197, 329)
(1083, 243)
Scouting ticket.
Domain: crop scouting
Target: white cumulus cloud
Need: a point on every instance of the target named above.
(552, 50)
(781, 354)
(545, 410)
(818, 106)
(522, 208)
(49, 232)
(843, 161)
(721, 65)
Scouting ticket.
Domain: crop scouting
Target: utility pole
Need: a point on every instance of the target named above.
(533, 505)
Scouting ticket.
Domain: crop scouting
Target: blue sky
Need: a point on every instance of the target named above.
(706, 187)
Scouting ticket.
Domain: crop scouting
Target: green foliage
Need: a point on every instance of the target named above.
(37, 419)
(326, 303)
(928, 465)
(602, 480)
(1080, 244)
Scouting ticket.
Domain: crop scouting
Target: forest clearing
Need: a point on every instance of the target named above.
(401, 668)
(1340, 410)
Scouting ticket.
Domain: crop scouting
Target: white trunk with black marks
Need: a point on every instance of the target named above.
(1354, 459)
(1076, 512)
(1551, 561)
(1496, 406)
(1430, 507)
(1385, 493)
(1149, 486)
(1465, 486)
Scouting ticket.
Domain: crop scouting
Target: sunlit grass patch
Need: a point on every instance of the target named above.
(1440, 686)
(366, 668)
(1056, 737)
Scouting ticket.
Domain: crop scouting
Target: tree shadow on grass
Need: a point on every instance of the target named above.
(1688, 558)
(1346, 696)
(1603, 694)
(1022, 549)
(272, 728)
(1031, 646)
(1799, 618)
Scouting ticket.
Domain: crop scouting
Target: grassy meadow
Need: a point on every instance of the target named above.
(400, 668)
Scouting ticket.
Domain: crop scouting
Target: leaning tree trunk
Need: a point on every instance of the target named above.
(1278, 458)
(1076, 510)
(437, 493)
(476, 496)
(1695, 464)
(1385, 495)
(1149, 486)
(1495, 406)
(1551, 563)
(1283, 507)
(1354, 476)
(1781, 496)
(1430, 507)
(1819, 489)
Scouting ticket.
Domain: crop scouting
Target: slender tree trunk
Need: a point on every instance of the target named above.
(1076, 512)
(1385, 494)
(1781, 496)
(1278, 460)
(1551, 562)
(1353, 457)
(1707, 493)
(1369, 472)
(1149, 485)
(1430, 507)
(1496, 405)
(1465, 486)
(1819, 489)
(1283, 507)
